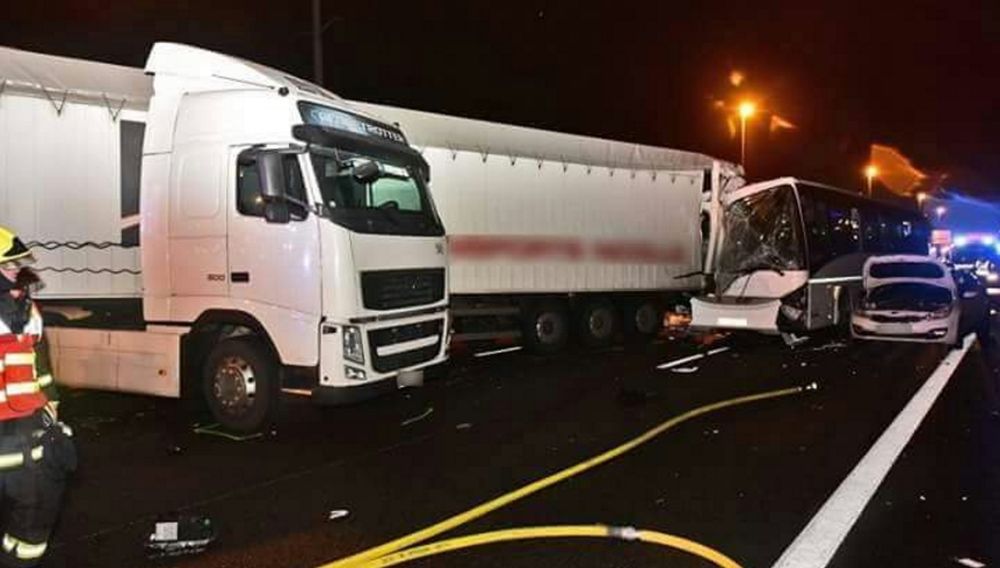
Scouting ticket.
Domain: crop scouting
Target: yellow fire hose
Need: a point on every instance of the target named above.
(562, 531)
(374, 556)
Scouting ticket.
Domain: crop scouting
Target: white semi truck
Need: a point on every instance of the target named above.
(215, 225)
(553, 236)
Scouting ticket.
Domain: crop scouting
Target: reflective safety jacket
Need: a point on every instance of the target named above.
(26, 383)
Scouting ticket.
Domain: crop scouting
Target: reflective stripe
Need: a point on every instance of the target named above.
(14, 389)
(44, 380)
(19, 359)
(23, 549)
(8, 461)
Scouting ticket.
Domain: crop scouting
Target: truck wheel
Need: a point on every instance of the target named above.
(241, 384)
(597, 323)
(546, 327)
(642, 320)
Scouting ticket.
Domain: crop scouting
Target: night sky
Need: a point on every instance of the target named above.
(922, 76)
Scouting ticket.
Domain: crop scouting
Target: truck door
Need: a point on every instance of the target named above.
(272, 264)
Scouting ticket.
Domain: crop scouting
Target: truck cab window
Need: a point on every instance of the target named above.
(249, 200)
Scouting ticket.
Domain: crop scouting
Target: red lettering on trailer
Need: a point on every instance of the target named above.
(496, 247)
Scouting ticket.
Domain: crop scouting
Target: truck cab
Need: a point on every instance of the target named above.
(287, 242)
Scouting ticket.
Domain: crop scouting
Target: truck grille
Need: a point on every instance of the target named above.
(398, 334)
(391, 289)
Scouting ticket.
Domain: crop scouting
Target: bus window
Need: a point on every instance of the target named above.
(844, 228)
(870, 230)
(817, 229)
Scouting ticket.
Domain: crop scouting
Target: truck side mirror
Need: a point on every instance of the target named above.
(272, 176)
(277, 212)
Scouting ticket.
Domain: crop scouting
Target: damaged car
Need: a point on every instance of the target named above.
(907, 298)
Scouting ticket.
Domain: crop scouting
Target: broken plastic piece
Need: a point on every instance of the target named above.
(971, 563)
(463, 426)
(180, 536)
(338, 514)
(418, 418)
(684, 370)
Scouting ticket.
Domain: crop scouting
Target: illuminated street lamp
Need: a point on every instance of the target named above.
(921, 197)
(940, 210)
(746, 110)
(870, 172)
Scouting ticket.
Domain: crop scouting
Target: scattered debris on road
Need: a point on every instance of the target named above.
(499, 351)
(180, 536)
(463, 426)
(216, 430)
(419, 417)
(338, 514)
(690, 358)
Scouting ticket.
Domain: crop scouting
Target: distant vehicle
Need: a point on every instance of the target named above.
(554, 237)
(790, 256)
(978, 253)
(908, 298)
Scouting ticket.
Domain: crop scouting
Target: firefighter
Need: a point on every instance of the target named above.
(32, 477)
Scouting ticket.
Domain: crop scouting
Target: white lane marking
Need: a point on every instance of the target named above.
(688, 359)
(970, 562)
(499, 351)
(815, 546)
(684, 370)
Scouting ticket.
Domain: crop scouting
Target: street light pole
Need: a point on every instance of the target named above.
(746, 110)
(870, 172)
(317, 29)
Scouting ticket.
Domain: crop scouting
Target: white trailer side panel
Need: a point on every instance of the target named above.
(527, 226)
(60, 190)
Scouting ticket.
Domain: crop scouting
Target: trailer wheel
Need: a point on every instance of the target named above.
(546, 327)
(642, 320)
(597, 323)
(240, 383)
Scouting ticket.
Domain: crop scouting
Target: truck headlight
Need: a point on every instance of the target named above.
(354, 348)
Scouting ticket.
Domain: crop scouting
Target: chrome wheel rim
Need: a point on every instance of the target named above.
(234, 385)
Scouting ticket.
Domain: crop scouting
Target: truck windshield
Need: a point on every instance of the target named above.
(761, 233)
(374, 194)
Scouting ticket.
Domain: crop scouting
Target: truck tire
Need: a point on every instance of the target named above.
(546, 327)
(240, 381)
(597, 323)
(641, 320)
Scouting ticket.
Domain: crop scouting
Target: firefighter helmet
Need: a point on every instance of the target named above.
(12, 248)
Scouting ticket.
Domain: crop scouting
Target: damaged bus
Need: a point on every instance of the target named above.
(790, 253)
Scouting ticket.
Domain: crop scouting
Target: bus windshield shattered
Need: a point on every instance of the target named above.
(761, 233)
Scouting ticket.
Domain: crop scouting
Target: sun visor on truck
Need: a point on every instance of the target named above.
(375, 147)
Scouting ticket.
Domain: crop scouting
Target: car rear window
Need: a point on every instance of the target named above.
(905, 270)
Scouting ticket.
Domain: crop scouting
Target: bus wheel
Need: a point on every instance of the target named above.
(240, 382)
(546, 327)
(597, 323)
(642, 320)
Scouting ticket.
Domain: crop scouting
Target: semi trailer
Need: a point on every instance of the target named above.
(211, 225)
(554, 237)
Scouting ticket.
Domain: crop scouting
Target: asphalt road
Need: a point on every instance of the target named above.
(743, 480)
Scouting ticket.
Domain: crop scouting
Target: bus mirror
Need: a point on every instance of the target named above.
(272, 176)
